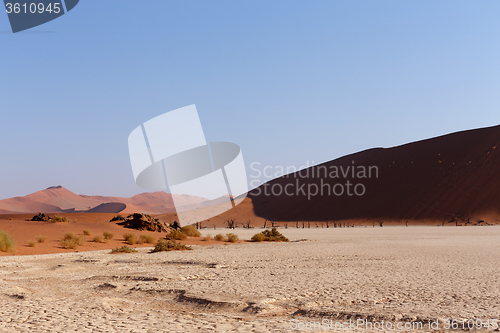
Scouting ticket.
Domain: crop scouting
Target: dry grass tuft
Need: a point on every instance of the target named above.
(207, 238)
(220, 237)
(129, 238)
(146, 239)
(87, 232)
(233, 238)
(272, 235)
(107, 235)
(176, 234)
(123, 249)
(258, 237)
(6, 242)
(190, 231)
(41, 239)
(167, 245)
(32, 244)
(72, 241)
(100, 239)
(59, 218)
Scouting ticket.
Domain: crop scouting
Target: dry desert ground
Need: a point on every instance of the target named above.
(394, 274)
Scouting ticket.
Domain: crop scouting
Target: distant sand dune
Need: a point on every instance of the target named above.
(57, 199)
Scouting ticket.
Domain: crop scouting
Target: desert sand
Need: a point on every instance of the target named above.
(24, 232)
(414, 274)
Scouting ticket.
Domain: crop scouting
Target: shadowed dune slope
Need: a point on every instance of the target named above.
(110, 207)
(440, 178)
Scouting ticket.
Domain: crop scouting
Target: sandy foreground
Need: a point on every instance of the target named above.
(395, 274)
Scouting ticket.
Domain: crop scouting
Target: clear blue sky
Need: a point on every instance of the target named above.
(289, 81)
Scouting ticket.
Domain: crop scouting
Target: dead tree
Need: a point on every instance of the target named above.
(381, 223)
(230, 223)
(247, 224)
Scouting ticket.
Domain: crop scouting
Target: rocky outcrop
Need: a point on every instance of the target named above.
(141, 221)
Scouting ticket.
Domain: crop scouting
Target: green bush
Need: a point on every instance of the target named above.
(272, 235)
(176, 234)
(167, 245)
(219, 237)
(72, 241)
(123, 249)
(190, 231)
(233, 238)
(129, 238)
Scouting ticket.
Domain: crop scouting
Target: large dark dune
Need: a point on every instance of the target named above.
(451, 176)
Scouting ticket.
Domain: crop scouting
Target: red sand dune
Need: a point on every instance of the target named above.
(433, 181)
(455, 175)
(59, 199)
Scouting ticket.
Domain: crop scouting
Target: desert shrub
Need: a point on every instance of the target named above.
(167, 245)
(272, 235)
(72, 241)
(99, 239)
(129, 238)
(207, 238)
(146, 239)
(233, 238)
(176, 234)
(123, 249)
(107, 235)
(6, 242)
(31, 244)
(59, 218)
(117, 218)
(41, 239)
(258, 237)
(190, 231)
(219, 237)
(86, 232)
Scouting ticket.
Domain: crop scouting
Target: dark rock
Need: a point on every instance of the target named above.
(40, 217)
(141, 221)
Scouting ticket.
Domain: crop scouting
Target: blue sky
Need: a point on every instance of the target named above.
(289, 81)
